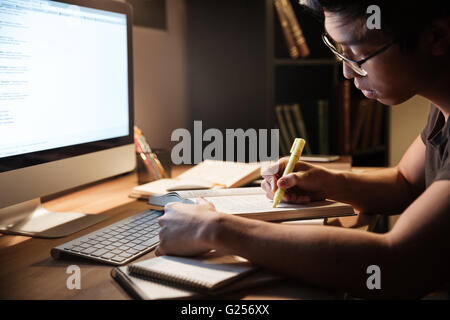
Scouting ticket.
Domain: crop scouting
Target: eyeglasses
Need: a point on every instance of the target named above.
(354, 65)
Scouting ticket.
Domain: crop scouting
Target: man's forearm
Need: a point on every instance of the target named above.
(383, 191)
(324, 256)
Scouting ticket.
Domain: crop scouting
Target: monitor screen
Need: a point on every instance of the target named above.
(64, 86)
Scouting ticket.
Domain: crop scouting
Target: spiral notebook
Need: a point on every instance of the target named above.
(206, 273)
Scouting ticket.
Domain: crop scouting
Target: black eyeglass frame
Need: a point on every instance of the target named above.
(325, 39)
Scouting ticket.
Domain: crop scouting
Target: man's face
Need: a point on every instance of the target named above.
(393, 77)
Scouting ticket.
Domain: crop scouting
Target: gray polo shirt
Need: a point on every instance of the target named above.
(436, 136)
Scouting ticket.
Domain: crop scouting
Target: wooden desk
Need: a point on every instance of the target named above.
(27, 270)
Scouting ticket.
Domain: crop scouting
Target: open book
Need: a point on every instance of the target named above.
(206, 175)
(253, 203)
(169, 277)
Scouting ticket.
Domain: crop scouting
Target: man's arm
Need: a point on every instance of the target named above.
(387, 191)
(384, 191)
(413, 257)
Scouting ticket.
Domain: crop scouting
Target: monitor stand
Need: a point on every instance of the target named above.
(29, 218)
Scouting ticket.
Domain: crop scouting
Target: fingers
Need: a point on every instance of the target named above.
(274, 169)
(299, 198)
(205, 203)
(159, 251)
(269, 185)
(265, 185)
(278, 168)
(289, 181)
(267, 188)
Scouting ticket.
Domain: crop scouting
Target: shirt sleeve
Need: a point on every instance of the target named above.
(444, 172)
(429, 126)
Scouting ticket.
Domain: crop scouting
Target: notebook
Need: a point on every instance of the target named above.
(253, 203)
(170, 277)
(203, 273)
(146, 289)
(206, 175)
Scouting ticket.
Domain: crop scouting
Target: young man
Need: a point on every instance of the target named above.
(409, 55)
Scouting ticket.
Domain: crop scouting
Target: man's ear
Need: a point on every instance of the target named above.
(439, 37)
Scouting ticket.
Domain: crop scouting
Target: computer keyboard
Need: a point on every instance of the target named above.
(118, 243)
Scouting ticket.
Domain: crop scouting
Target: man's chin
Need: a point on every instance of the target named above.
(391, 101)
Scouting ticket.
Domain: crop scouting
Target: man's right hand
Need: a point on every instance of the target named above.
(307, 183)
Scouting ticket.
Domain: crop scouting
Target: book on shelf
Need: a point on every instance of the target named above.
(292, 32)
(300, 121)
(323, 119)
(283, 148)
(358, 119)
(205, 175)
(297, 31)
(283, 127)
(378, 125)
(253, 203)
(170, 277)
(343, 117)
(290, 124)
(367, 124)
(366, 134)
(288, 36)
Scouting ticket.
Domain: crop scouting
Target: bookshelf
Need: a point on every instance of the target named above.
(239, 70)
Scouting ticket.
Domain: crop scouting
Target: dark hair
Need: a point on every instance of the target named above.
(402, 20)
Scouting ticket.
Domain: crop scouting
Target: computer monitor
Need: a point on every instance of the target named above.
(66, 106)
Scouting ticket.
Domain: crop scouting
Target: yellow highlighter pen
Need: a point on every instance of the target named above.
(296, 152)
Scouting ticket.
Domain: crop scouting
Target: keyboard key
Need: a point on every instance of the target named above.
(108, 255)
(99, 253)
(125, 255)
(150, 241)
(118, 258)
(116, 251)
(77, 243)
(132, 251)
(110, 247)
(88, 250)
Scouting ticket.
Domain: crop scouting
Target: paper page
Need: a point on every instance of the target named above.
(218, 192)
(157, 187)
(259, 203)
(154, 290)
(226, 173)
(208, 272)
(240, 204)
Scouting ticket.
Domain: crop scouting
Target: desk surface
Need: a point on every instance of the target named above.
(28, 272)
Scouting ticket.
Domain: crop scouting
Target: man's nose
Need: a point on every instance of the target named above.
(348, 72)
